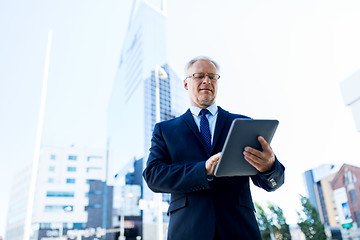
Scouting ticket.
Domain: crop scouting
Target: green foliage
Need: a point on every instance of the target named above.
(309, 221)
(273, 223)
(264, 223)
(280, 228)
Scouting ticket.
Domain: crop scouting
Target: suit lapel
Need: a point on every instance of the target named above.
(220, 123)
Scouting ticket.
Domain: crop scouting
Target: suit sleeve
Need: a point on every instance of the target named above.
(161, 175)
(270, 181)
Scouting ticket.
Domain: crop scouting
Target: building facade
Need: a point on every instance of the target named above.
(346, 187)
(127, 213)
(18, 202)
(325, 201)
(145, 90)
(64, 193)
(99, 214)
(317, 182)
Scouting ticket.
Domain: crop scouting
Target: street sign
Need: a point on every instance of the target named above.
(347, 225)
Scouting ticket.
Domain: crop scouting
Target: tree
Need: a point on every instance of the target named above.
(280, 228)
(264, 223)
(309, 221)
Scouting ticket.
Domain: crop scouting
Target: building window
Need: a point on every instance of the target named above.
(352, 195)
(58, 208)
(89, 158)
(357, 218)
(51, 168)
(92, 169)
(50, 180)
(72, 157)
(71, 169)
(60, 194)
(79, 225)
(52, 157)
(93, 193)
(70, 180)
(45, 225)
(92, 206)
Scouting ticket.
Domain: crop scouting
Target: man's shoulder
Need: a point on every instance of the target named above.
(175, 120)
(231, 115)
(187, 115)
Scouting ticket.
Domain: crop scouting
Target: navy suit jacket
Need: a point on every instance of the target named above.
(176, 165)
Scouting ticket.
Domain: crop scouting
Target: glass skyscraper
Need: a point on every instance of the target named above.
(133, 105)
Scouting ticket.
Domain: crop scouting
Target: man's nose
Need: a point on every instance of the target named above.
(206, 79)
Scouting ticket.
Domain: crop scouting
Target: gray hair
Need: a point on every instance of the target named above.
(199, 58)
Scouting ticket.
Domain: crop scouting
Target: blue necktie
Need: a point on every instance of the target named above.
(204, 128)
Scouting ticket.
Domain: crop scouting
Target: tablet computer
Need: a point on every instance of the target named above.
(243, 132)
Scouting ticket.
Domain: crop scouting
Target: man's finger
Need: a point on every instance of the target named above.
(264, 144)
(253, 160)
(211, 163)
(253, 151)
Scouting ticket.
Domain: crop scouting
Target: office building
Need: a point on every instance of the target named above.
(138, 102)
(350, 89)
(346, 187)
(69, 189)
(318, 185)
(99, 214)
(18, 201)
(318, 189)
(325, 201)
(126, 200)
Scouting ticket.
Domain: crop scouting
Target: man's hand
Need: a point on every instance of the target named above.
(263, 160)
(211, 164)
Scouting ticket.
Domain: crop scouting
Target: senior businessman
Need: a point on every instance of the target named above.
(183, 155)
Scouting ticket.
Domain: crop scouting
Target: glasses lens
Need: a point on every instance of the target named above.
(199, 75)
(212, 76)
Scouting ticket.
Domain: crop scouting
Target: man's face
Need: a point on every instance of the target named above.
(202, 92)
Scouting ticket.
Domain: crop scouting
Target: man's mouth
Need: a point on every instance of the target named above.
(205, 89)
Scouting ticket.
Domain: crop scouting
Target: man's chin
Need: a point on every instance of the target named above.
(206, 102)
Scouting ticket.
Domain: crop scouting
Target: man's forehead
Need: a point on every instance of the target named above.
(202, 64)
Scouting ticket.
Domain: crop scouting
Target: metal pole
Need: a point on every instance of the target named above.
(158, 196)
(105, 199)
(35, 163)
(122, 226)
(157, 93)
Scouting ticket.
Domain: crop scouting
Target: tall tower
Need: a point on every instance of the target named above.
(145, 90)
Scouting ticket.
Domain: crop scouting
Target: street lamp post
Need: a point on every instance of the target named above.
(160, 73)
(122, 226)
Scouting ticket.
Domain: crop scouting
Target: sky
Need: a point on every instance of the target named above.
(279, 60)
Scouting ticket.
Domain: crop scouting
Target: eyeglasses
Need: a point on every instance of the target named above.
(200, 76)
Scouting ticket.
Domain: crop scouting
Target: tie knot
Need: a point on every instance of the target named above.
(203, 112)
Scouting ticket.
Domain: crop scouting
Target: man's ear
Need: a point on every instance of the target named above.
(186, 84)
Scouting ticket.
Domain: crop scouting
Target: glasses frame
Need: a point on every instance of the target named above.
(205, 74)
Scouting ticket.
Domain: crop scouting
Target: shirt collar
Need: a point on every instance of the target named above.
(196, 110)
